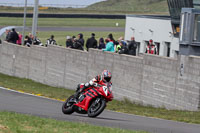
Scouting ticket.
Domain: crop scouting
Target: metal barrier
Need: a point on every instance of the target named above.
(41, 15)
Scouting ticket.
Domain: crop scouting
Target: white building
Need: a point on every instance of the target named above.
(157, 28)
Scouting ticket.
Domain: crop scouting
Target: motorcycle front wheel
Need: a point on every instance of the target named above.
(67, 107)
(96, 107)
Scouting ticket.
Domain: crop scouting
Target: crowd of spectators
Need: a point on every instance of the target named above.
(15, 37)
(108, 44)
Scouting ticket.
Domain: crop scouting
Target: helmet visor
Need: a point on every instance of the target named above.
(107, 79)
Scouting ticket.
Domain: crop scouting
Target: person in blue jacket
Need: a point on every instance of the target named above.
(109, 46)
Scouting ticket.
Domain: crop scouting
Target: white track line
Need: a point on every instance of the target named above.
(3, 88)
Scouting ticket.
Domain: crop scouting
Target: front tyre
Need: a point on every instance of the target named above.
(67, 107)
(96, 107)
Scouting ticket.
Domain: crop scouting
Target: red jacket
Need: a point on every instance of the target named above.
(151, 49)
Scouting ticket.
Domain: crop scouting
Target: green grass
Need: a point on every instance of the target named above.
(19, 123)
(137, 6)
(107, 7)
(63, 22)
(34, 87)
(60, 36)
(60, 10)
(119, 106)
(128, 107)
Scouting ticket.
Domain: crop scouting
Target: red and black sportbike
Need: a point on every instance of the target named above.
(91, 101)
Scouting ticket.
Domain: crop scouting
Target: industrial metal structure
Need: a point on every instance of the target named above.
(165, 30)
(190, 32)
(175, 7)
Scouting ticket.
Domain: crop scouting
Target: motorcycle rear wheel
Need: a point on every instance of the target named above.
(97, 107)
(67, 107)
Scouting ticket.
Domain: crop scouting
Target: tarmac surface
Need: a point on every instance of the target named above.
(92, 29)
(47, 108)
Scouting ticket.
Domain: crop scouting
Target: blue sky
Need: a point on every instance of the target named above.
(63, 2)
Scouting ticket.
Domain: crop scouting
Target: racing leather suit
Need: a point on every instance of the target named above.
(92, 82)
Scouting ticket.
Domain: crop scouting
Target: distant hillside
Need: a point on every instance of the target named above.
(127, 6)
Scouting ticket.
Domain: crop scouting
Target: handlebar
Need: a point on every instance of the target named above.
(97, 85)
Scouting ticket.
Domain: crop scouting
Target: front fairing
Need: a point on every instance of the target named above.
(106, 91)
(90, 93)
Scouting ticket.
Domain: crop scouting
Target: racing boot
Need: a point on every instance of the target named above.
(78, 92)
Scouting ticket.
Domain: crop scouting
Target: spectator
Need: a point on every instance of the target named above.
(36, 41)
(151, 48)
(69, 43)
(73, 40)
(13, 36)
(80, 39)
(51, 41)
(111, 38)
(102, 45)
(118, 47)
(77, 45)
(121, 48)
(19, 41)
(91, 42)
(109, 46)
(121, 39)
(27, 41)
(7, 35)
(31, 36)
(107, 40)
(132, 46)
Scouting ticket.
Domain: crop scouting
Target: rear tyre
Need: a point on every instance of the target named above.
(67, 107)
(97, 107)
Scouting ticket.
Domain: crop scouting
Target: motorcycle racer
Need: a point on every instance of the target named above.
(105, 77)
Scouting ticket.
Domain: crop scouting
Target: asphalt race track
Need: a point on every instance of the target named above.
(80, 29)
(38, 106)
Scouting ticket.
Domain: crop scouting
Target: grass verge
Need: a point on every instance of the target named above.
(119, 7)
(142, 6)
(119, 106)
(19, 123)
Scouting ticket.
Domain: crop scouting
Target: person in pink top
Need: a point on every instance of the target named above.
(19, 41)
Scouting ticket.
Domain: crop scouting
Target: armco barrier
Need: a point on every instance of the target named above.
(149, 80)
(42, 15)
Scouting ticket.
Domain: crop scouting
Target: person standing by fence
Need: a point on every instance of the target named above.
(102, 45)
(19, 41)
(109, 46)
(132, 46)
(91, 42)
(151, 48)
(13, 36)
(51, 41)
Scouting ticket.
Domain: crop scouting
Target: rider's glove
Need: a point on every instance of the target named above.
(95, 84)
(88, 84)
(91, 83)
